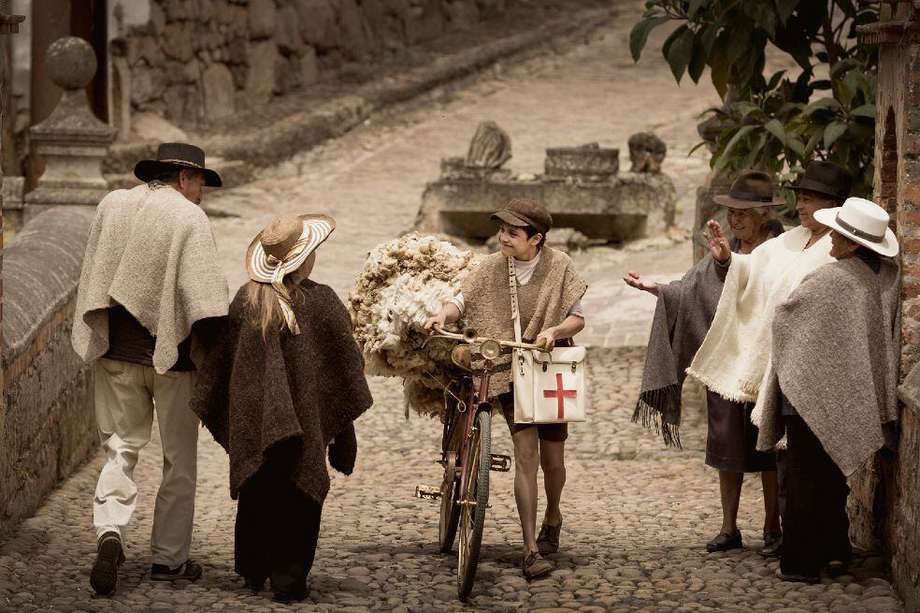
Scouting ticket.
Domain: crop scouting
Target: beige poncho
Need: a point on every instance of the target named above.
(544, 301)
(733, 358)
(152, 251)
(836, 344)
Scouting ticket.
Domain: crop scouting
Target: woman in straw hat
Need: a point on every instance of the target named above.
(286, 384)
(832, 385)
(682, 316)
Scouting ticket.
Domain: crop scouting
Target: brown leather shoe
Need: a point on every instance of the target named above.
(548, 541)
(534, 565)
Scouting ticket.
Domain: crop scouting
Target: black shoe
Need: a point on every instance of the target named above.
(724, 542)
(796, 578)
(835, 568)
(772, 543)
(109, 556)
(255, 585)
(188, 570)
(289, 597)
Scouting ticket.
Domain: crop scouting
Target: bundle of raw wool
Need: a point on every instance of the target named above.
(404, 282)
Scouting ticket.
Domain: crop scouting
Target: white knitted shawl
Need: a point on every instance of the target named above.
(733, 358)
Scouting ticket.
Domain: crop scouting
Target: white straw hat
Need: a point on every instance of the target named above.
(266, 257)
(863, 222)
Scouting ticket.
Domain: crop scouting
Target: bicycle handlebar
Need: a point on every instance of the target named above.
(442, 333)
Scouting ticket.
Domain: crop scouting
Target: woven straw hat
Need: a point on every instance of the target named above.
(271, 247)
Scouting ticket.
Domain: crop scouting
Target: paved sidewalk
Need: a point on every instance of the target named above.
(636, 519)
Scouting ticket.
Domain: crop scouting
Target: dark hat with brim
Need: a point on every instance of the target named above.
(173, 155)
(752, 189)
(521, 213)
(826, 179)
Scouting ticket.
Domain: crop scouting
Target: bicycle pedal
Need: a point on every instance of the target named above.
(426, 492)
(499, 462)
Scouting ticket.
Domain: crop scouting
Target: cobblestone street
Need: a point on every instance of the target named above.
(637, 515)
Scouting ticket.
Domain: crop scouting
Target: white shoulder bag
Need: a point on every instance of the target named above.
(549, 388)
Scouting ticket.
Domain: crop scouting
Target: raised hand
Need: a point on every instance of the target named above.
(634, 280)
(718, 244)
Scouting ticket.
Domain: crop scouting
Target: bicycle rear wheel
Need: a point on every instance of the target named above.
(474, 502)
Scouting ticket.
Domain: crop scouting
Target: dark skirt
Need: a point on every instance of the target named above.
(815, 523)
(731, 444)
(277, 527)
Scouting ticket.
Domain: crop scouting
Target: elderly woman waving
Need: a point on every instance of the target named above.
(682, 316)
(733, 358)
(832, 385)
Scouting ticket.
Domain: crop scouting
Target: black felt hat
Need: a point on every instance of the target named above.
(752, 189)
(171, 155)
(826, 178)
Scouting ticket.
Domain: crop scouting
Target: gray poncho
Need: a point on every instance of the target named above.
(682, 318)
(836, 346)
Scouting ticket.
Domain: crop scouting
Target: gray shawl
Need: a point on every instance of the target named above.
(836, 345)
(682, 318)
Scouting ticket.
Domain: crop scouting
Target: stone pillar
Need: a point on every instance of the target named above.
(72, 142)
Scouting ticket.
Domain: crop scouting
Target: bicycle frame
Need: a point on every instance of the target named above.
(474, 405)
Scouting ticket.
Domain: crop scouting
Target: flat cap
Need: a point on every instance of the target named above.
(521, 212)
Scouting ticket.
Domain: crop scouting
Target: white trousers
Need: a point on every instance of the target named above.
(126, 396)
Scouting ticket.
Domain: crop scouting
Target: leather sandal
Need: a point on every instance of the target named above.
(534, 565)
(724, 542)
(548, 541)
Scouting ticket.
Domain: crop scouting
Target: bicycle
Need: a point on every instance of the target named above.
(466, 450)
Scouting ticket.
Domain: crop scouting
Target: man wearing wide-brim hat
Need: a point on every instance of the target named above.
(147, 306)
(832, 384)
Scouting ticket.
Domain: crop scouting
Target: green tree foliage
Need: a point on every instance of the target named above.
(824, 109)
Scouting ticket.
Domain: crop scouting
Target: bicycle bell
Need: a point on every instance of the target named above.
(490, 349)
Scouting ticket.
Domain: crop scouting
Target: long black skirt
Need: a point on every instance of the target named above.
(815, 523)
(277, 527)
(731, 442)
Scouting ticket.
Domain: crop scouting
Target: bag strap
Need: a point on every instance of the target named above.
(515, 310)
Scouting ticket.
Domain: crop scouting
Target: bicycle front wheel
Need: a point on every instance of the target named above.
(474, 502)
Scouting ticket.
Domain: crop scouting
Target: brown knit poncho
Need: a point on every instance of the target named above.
(253, 394)
(545, 301)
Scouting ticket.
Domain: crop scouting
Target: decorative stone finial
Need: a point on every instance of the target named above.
(71, 63)
(72, 141)
(646, 152)
(490, 147)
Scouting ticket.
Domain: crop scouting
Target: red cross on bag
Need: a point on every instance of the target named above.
(560, 393)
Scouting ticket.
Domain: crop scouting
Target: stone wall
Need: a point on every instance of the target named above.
(211, 58)
(47, 427)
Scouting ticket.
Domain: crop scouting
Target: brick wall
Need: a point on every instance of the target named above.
(885, 500)
(47, 427)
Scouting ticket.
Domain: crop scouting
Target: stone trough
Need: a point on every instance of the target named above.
(581, 187)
